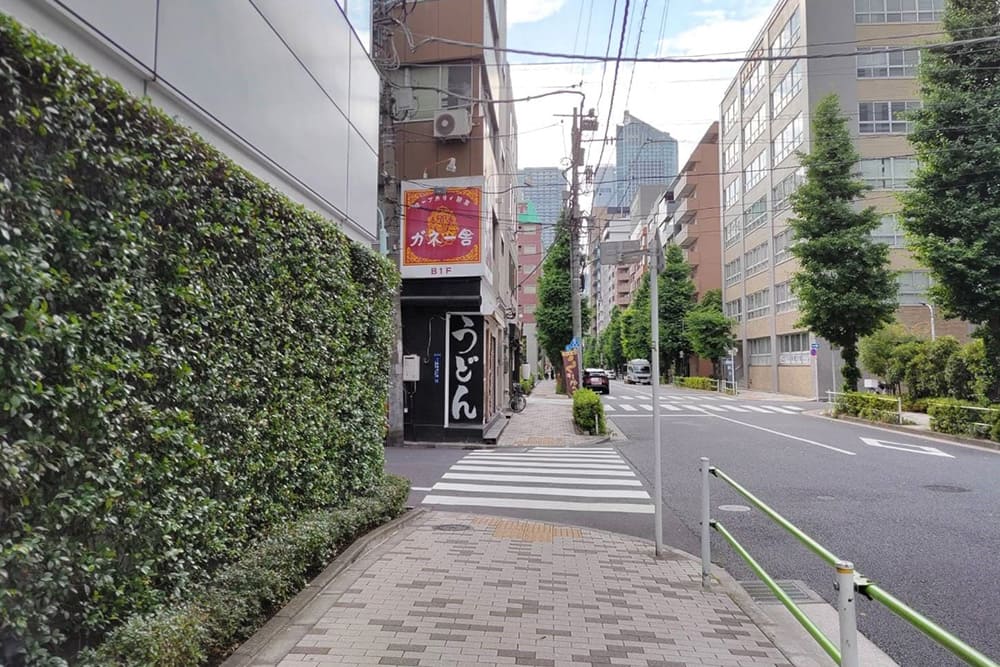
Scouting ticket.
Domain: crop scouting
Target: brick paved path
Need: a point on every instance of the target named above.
(459, 589)
(546, 421)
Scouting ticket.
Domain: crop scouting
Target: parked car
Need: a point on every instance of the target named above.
(596, 379)
(610, 372)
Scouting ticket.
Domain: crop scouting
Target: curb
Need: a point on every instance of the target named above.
(920, 433)
(284, 616)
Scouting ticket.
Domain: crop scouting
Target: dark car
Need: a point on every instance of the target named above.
(596, 379)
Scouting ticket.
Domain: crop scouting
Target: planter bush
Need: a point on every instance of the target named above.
(694, 383)
(588, 411)
(187, 357)
(874, 407)
(961, 418)
(528, 385)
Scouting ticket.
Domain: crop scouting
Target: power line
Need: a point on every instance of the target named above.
(607, 52)
(614, 80)
(638, 42)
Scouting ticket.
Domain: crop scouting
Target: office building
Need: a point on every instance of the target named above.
(644, 155)
(545, 187)
(765, 119)
(530, 256)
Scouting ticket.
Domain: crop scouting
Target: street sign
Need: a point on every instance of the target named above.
(813, 349)
(573, 345)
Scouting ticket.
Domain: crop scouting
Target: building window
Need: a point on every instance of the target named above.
(733, 272)
(784, 299)
(755, 215)
(782, 246)
(885, 117)
(758, 303)
(781, 194)
(428, 82)
(793, 349)
(788, 36)
(753, 79)
(753, 128)
(733, 231)
(734, 310)
(787, 89)
(755, 259)
(529, 289)
(876, 62)
(913, 286)
(889, 173)
(889, 232)
(788, 139)
(731, 194)
(898, 11)
(760, 351)
(731, 154)
(755, 171)
(730, 116)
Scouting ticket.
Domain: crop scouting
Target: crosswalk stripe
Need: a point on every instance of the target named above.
(597, 450)
(534, 463)
(757, 409)
(781, 410)
(542, 479)
(736, 408)
(628, 408)
(547, 471)
(541, 491)
(522, 503)
(793, 407)
(714, 407)
(672, 408)
(503, 458)
(609, 408)
(534, 454)
(646, 406)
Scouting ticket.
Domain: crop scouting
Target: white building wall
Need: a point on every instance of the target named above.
(287, 90)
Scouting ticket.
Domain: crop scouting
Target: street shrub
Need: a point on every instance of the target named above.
(588, 411)
(873, 407)
(959, 377)
(962, 418)
(694, 383)
(913, 404)
(187, 357)
(528, 384)
(243, 595)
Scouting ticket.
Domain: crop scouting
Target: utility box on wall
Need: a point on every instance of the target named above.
(411, 368)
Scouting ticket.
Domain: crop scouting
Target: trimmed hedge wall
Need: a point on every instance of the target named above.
(242, 596)
(186, 356)
(873, 407)
(964, 418)
(694, 383)
(588, 411)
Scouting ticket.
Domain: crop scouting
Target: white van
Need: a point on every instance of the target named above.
(637, 372)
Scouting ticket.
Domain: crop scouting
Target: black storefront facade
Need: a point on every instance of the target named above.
(458, 356)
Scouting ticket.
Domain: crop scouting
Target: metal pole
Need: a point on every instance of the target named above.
(933, 333)
(706, 529)
(654, 310)
(574, 242)
(848, 617)
(899, 410)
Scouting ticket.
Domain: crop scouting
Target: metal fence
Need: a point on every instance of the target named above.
(893, 409)
(978, 429)
(847, 583)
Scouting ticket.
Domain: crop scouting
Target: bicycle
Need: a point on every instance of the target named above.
(517, 399)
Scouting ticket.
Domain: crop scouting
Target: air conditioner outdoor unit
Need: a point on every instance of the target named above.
(452, 124)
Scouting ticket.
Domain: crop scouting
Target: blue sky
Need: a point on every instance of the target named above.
(682, 99)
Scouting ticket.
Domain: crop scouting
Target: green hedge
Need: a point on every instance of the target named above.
(874, 407)
(242, 596)
(694, 383)
(186, 356)
(588, 411)
(959, 418)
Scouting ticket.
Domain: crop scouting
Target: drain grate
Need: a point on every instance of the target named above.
(451, 527)
(947, 488)
(794, 588)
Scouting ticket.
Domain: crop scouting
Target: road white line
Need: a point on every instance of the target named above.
(502, 458)
(647, 407)
(542, 479)
(546, 471)
(785, 435)
(713, 407)
(905, 447)
(420, 488)
(793, 407)
(549, 448)
(672, 408)
(685, 414)
(758, 409)
(609, 465)
(781, 410)
(542, 491)
(520, 503)
(628, 408)
(536, 453)
(736, 408)
(609, 408)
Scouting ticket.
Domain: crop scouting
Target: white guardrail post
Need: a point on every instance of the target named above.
(706, 530)
(848, 618)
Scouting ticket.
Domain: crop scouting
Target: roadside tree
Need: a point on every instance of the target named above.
(554, 314)
(709, 331)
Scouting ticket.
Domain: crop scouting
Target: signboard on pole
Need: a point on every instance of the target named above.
(571, 376)
(813, 349)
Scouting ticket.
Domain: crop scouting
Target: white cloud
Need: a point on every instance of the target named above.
(680, 98)
(530, 11)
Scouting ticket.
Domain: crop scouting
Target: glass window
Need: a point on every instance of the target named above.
(788, 139)
(753, 79)
(755, 259)
(733, 231)
(788, 36)
(782, 192)
(759, 303)
(885, 117)
(898, 11)
(754, 172)
(760, 351)
(755, 215)
(793, 349)
(890, 173)
(913, 286)
(753, 128)
(731, 115)
(731, 194)
(889, 232)
(875, 62)
(734, 309)
(787, 89)
(784, 299)
(731, 154)
(733, 272)
(783, 242)
(436, 87)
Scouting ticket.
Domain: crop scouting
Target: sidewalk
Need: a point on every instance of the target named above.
(547, 421)
(460, 589)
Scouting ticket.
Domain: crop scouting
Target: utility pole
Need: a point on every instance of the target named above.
(655, 267)
(574, 233)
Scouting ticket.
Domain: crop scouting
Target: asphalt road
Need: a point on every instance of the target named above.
(924, 523)
(919, 516)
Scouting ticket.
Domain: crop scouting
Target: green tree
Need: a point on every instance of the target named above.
(845, 288)
(709, 331)
(554, 314)
(677, 293)
(951, 213)
(876, 349)
(592, 357)
(637, 328)
(611, 341)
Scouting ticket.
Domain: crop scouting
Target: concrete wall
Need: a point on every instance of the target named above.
(287, 91)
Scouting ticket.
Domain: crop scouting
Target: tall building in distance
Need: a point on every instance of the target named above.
(766, 115)
(644, 155)
(544, 187)
(529, 257)
(605, 187)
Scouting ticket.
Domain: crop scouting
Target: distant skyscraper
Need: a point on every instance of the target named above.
(605, 186)
(644, 155)
(546, 193)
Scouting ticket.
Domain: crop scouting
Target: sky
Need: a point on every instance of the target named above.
(679, 98)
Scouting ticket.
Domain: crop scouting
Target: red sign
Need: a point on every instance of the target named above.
(442, 226)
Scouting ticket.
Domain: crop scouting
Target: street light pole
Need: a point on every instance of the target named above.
(931, 308)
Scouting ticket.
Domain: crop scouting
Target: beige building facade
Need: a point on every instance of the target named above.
(765, 119)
